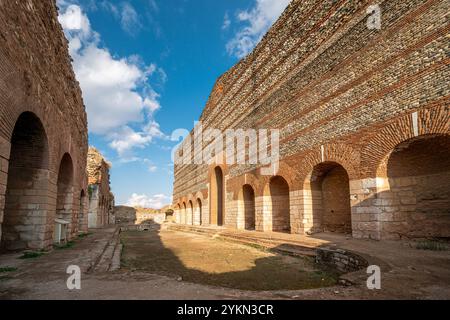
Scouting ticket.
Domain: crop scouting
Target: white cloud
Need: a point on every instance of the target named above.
(127, 139)
(129, 19)
(126, 14)
(226, 22)
(257, 21)
(156, 201)
(147, 162)
(153, 5)
(116, 90)
(108, 6)
(74, 19)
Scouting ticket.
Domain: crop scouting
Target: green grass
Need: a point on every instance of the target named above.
(432, 245)
(84, 235)
(69, 244)
(122, 259)
(7, 269)
(31, 254)
(254, 246)
(4, 278)
(247, 244)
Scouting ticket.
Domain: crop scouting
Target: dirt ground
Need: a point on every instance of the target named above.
(200, 259)
(178, 268)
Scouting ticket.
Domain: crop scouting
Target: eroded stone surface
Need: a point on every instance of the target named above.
(101, 199)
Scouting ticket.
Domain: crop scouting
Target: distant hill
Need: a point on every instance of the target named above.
(151, 210)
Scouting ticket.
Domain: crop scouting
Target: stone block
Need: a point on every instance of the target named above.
(5, 148)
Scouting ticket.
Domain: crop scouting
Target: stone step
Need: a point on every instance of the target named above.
(345, 261)
(115, 263)
(105, 260)
(293, 248)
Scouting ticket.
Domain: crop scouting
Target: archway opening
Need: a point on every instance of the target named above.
(249, 206)
(217, 190)
(279, 197)
(26, 197)
(330, 198)
(64, 200)
(183, 215)
(191, 213)
(418, 172)
(199, 211)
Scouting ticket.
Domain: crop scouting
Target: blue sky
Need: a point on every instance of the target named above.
(146, 68)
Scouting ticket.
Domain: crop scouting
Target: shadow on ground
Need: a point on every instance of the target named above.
(205, 260)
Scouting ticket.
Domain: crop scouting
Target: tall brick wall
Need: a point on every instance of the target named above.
(42, 121)
(341, 94)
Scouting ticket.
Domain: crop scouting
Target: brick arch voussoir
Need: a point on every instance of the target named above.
(345, 155)
(266, 186)
(236, 184)
(190, 197)
(306, 165)
(342, 154)
(199, 195)
(375, 154)
(286, 170)
(211, 168)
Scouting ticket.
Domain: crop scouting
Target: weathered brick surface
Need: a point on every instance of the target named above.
(101, 199)
(40, 97)
(345, 95)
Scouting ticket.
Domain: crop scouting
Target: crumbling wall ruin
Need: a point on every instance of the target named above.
(101, 199)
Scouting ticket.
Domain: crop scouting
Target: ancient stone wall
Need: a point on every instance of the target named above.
(136, 216)
(125, 215)
(101, 199)
(43, 128)
(343, 96)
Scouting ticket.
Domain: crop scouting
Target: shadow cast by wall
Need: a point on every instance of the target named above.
(207, 261)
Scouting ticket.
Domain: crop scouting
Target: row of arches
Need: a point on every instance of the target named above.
(408, 197)
(31, 200)
(189, 213)
(329, 202)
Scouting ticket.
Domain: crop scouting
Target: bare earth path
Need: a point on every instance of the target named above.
(412, 273)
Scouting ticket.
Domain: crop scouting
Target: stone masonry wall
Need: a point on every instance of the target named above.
(101, 199)
(341, 94)
(42, 119)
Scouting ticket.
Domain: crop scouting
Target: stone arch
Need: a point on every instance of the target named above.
(178, 213)
(217, 197)
(415, 202)
(251, 178)
(327, 199)
(276, 214)
(247, 206)
(27, 187)
(378, 146)
(183, 214)
(199, 211)
(190, 219)
(65, 190)
(344, 154)
(288, 173)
